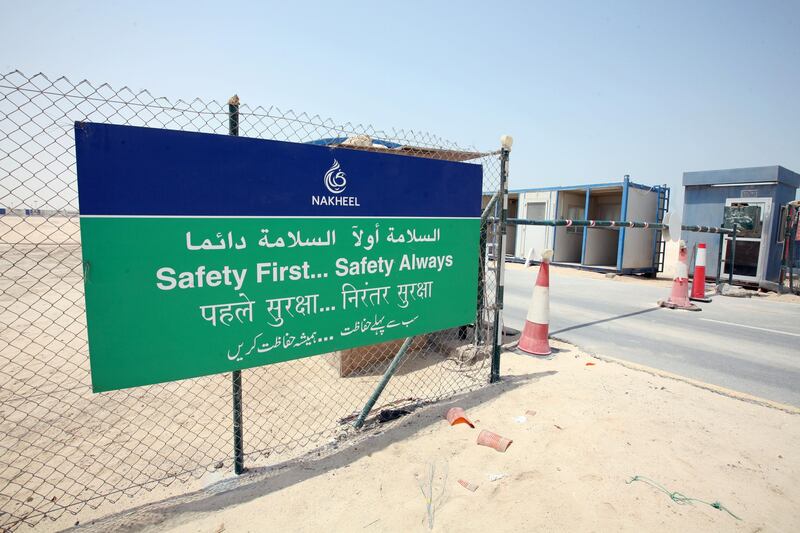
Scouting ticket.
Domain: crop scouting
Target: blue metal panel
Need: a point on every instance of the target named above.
(623, 214)
(788, 177)
(200, 174)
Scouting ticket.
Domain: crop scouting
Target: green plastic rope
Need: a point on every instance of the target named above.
(679, 498)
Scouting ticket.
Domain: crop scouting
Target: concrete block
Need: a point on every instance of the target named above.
(736, 292)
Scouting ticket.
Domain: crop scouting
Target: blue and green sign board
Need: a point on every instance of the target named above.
(210, 253)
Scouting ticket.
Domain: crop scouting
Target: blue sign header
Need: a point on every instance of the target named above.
(130, 171)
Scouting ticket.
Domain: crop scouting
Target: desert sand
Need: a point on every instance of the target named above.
(581, 427)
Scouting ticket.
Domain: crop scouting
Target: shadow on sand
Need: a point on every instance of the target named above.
(261, 481)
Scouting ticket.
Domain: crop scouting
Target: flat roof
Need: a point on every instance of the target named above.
(749, 175)
(604, 185)
(570, 187)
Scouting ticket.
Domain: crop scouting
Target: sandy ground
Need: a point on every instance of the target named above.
(580, 433)
(784, 298)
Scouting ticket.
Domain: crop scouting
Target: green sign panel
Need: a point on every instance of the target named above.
(176, 289)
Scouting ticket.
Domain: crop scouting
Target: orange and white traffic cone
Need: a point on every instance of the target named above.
(537, 323)
(679, 298)
(699, 279)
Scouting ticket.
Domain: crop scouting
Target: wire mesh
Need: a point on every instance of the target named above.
(64, 449)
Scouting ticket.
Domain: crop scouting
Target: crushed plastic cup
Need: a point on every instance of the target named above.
(472, 487)
(456, 415)
(493, 440)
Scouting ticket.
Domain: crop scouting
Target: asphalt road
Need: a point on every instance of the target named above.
(750, 345)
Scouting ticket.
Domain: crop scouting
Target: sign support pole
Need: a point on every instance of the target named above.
(500, 259)
(387, 375)
(236, 375)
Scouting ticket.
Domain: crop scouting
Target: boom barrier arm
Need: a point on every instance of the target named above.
(614, 224)
(635, 224)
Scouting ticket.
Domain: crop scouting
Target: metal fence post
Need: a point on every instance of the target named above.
(792, 231)
(478, 339)
(236, 376)
(479, 311)
(500, 257)
(733, 255)
(719, 256)
(792, 244)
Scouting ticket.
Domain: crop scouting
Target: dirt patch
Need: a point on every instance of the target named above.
(581, 433)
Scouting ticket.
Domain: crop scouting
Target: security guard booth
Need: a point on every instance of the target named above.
(755, 199)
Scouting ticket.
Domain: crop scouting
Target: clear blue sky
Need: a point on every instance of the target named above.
(589, 90)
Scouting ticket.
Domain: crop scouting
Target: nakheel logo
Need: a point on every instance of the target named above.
(335, 178)
(335, 181)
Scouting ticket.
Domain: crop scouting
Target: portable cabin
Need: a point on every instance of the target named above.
(756, 200)
(620, 250)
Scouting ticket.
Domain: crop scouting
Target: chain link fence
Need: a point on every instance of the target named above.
(64, 449)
